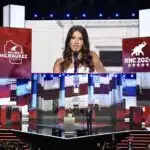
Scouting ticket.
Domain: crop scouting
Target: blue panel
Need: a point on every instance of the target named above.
(22, 81)
(62, 83)
(119, 79)
(129, 91)
(90, 80)
(130, 75)
(23, 90)
(114, 83)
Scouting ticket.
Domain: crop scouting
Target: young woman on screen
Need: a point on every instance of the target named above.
(77, 41)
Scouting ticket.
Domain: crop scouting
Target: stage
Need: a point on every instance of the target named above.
(80, 129)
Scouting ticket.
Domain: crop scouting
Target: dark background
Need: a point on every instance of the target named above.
(76, 7)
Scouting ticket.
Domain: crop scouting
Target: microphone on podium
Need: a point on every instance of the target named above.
(75, 55)
(76, 78)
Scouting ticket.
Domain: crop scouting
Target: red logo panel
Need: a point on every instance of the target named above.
(15, 52)
(136, 54)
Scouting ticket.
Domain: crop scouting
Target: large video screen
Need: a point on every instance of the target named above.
(98, 41)
(84, 89)
(58, 93)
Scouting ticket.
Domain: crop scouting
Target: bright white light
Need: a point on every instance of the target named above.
(35, 15)
(67, 15)
(51, 15)
(100, 15)
(84, 15)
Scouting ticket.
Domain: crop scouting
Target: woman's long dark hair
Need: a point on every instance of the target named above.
(86, 59)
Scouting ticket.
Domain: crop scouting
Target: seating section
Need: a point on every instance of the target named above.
(130, 140)
(8, 140)
(135, 141)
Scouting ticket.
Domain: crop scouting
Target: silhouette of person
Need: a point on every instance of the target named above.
(89, 120)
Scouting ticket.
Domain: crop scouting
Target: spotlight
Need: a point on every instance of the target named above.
(117, 14)
(52, 75)
(51, 15)
(84, 15)
(132, 75)
(100, 15)
(44, 75)
(115, 75)
(133, 14)
(123, 75)
(68, 15)
(35, 15)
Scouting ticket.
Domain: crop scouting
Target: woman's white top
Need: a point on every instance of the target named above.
(79, 70)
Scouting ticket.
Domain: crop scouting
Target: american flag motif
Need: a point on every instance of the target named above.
(101, 89)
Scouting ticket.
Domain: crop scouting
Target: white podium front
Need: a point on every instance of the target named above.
(69, 126)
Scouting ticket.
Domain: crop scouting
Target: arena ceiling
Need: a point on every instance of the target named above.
(76, 7)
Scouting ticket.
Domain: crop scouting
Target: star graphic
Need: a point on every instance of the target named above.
(129, 65)
(133, 65)
(142, 65)
(138, 65)
(147, 64)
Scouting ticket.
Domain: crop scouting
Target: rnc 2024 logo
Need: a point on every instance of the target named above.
(13, 52)
(137, 58)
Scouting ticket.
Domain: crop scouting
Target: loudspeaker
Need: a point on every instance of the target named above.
(56, 132)
(81, 132)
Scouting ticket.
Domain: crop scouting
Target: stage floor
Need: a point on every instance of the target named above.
(47, 129)
(58, 129)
